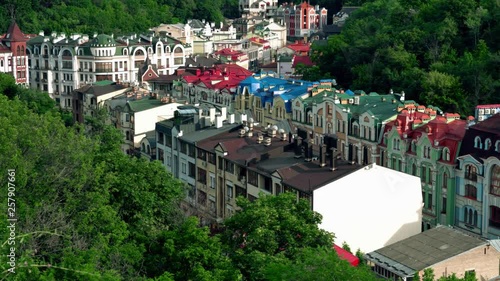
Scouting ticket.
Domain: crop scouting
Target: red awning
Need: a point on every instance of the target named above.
(345, 255)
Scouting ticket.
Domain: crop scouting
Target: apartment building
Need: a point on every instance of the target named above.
(424, 141)
(13, 54)
(59, 63)
(477, 204)
(304, 19)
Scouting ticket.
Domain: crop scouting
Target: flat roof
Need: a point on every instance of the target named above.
(425, 249)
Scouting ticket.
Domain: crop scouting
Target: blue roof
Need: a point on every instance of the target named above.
(349, 92)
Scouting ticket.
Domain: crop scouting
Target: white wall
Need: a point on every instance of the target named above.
(145, 121)
(371, 208)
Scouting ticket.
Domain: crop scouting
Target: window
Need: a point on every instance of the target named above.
(202, 198)
(161, 155)
(471, 172)
(240, 191)
(253, 178)
(429, 201)
(183, 147)
(414, 169)
(202, 176)
(445, 180)
(495, 216)
(160, 138)
(211, 158)
(470, 191)
(202, 154)
(495, 180)
(446, 154)
(212, 181)
(487, 144)
(229, 192)
(423, 175)
(192, 170)
(443, 206)
(168, 141)
(478, 143)
(191, 150)
(183, 168)
(229, 167)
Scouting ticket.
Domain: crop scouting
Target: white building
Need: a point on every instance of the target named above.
(59, 64)
(257, 6)
(371, 208)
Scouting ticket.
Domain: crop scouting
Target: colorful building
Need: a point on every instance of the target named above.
(304, 19)
(14, 55)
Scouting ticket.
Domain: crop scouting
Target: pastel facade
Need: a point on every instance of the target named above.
(304, 19)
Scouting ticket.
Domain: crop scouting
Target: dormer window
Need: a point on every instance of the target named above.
(478, 143)
(446, 154)
(413, 146)
(487, 144)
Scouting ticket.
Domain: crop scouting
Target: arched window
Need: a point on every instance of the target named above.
(143, 147)
(474, 221)
(471, 172)
(413, 146)
(148, 149)
(22, 50)
(495, 180)
(18, 51)
(487, 144)
(446, 154)
(414, 169)
(478, 143)
(466, 214)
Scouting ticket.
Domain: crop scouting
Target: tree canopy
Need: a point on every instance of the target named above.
(440, 52)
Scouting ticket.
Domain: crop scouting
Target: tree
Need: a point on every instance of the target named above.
(272, 228)
(316, 264)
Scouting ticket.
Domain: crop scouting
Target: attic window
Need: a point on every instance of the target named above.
(150, 74)
(487, 144)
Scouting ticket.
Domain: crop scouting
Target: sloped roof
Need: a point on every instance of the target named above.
(305, 60)
(14, 34)
(425, 249)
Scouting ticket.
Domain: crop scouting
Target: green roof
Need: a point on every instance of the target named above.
(103, 83)
(103, 40)
(319, 97)
(380, 106)
(144, 104)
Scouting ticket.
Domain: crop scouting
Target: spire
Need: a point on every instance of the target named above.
(14, 34)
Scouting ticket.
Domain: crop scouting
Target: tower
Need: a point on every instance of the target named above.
(15, 40)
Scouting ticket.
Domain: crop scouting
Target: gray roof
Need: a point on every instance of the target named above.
(207, 132)
(423, 250)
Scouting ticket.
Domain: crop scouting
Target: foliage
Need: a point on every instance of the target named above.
(110, 16)
(316, 264)
(440, 52)
(272, 228)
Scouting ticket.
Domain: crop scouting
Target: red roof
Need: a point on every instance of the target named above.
(345, 255)
(299, 47)
(14, 34)
(488, 106)
(228, 52)
(306, 60)
(221, 76)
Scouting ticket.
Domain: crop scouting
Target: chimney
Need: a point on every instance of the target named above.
(267, 141)
(218, 121)
(260, 138)
(322, 155)
(297, 147)
(212, 114)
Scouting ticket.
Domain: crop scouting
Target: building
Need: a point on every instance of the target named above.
(60, 64)
(423, 141)
(216, 85)
(258, 6)
(369, 208)
(304, 19)
(478, 179)
(445, 250)
(13, 54)
(86, 101)
(485, 111)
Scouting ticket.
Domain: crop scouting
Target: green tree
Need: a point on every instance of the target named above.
(269, 229)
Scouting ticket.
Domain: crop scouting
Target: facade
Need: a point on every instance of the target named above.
(392, 202)
(478, 179)
(135, 114)
(445, 250)
(60, 64)
(216, 85)
(485, 111)
(86, 101)
(258, 6)
(304, 19)
(13, 54)
(423, 141)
